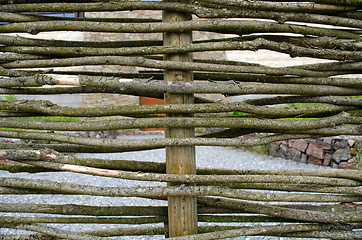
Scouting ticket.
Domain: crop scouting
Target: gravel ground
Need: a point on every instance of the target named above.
(215, 157)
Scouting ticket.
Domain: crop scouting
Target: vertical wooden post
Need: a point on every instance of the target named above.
(182, 211)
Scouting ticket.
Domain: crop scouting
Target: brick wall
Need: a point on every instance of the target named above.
(336, 152)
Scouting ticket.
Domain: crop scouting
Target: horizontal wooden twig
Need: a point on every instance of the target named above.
(340, 100)
(259, 230)
(145, 166)
(158, 64)
(221, 26)
(113, 145)
(159, 87)
(13, 17)
(200, 179)
(288, 213)
(232, 122)
(121, 5)
(46, 108)
(56, 232)
(260, 43)
(282, 6)
(83, 220)
(357, 3)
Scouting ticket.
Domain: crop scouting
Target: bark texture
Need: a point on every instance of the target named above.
(319, 99)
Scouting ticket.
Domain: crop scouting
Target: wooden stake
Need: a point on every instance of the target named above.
(182, 211)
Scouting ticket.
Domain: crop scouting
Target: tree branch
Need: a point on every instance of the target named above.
(159, 87)
(282, 6)
(57, 232)
(267, 230)
(176, 178)
(145, 166)
(277, 211)
(233, 122)
(221, 26)
(157, 64)
(134, 5)
(46, 108)
(83, 220)
(260, 43)
(340, 100)
(115, 145)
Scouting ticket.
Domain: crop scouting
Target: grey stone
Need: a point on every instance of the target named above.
(284, 149)
(304, 158)
(341, 154)
(294, 154)
(327, 140)
(343, 143)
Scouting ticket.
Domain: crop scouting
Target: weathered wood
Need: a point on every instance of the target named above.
(288, 30)
(182, 210)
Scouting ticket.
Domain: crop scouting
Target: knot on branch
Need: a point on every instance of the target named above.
(281, 18)
(284, 46)
(45, 80)
(47, 103)
(18, 155)
(31, 30)
(140, 60)
(258, 43)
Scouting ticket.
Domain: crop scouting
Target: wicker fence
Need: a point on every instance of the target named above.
(316, 100)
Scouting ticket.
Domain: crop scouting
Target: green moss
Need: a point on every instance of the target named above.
(239, 113)
(10, 98)
(56, 118)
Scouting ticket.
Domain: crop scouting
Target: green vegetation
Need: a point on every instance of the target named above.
(304, 104)
(10, 98)
(56, 118)
(261, 149)
(295, 105)
(239, 113)
(48, 118)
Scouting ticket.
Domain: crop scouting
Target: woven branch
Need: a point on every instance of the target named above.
(221, 26)
(134, 5)
(145, 166)
(47, 108)
(143, 86)
(234, 122)
(260, 43)
(170, 65)
(114, 145)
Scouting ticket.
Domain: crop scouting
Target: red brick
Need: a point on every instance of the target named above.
(301, 145)
(327, 159)
(322, 144)
(315, 151)
(336, 144)
(314, 160)
(347, 165)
